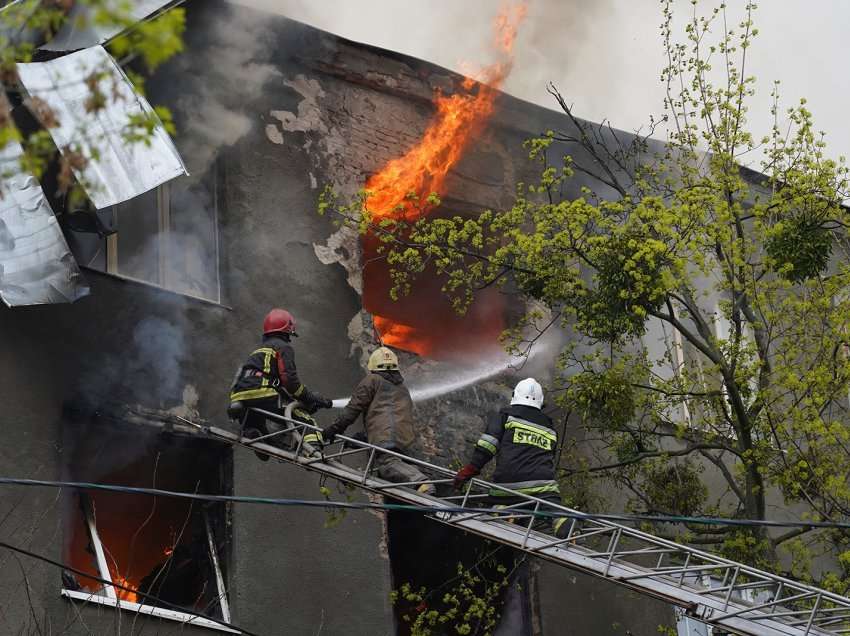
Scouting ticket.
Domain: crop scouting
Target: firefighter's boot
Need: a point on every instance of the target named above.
(254, 433)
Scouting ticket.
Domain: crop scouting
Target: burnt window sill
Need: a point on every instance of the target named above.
(137, 281)
(150, 610)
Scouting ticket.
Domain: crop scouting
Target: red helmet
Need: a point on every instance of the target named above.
(279, 321)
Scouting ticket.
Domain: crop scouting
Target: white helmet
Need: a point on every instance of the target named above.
(528, 392)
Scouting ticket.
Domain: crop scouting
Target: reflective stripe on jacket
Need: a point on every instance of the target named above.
(522, 440)
(270, 370)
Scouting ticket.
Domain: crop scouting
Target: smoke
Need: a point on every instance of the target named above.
(594, 50)
(146, 370)
(553, 40)
(606, 56)
(428, 381)
(149, 368)
(211, 108)
(159, 346)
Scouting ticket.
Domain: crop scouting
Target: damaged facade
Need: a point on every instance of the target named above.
(180, 277)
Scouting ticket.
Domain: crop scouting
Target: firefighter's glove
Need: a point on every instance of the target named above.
(359, 436)
(330, 433)
(324, 403)
(464, 475)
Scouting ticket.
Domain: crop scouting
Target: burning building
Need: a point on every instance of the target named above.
(268, 112)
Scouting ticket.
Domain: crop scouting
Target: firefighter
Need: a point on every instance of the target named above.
(269, 380)
(387, 409)
(522, 439)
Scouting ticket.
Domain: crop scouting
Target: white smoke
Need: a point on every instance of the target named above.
(442, 379)
(212, 107)
(606, 56)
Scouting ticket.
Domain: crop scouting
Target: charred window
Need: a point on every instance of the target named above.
(474, 587)
(163, 553)
(167, 237)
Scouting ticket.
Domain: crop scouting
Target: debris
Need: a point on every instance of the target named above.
(36, 266)
(126, 149)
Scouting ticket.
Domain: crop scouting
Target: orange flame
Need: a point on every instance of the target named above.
(460, 118)
(400, 190)
(125, 595)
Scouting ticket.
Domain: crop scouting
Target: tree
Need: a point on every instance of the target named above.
(744, 274)
(140, 47)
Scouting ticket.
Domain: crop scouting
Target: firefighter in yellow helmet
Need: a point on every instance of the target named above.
(387, 409)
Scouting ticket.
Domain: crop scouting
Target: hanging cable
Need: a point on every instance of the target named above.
(354, 505)
(156, 599)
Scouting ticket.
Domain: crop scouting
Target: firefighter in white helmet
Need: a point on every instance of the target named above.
(523, 441)
(387, 409)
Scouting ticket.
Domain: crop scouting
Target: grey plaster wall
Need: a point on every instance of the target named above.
(575, 604)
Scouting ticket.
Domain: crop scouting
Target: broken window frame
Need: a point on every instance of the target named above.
(671, 340)
(111, 247)
(676, 351)
(108, 593)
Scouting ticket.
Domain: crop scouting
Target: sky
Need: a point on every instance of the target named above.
(605, 56)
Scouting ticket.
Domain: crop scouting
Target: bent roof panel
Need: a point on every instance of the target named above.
(36, 266)
(116, 170)
(81, 31)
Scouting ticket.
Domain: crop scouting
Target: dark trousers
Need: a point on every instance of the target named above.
(267, 426)
(543, 523)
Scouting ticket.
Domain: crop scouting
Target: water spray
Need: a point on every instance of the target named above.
(486, 369)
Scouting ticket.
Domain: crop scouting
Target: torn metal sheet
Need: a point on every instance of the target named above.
(81, 30)
(13, 26)
(36, 266)
(116, 170)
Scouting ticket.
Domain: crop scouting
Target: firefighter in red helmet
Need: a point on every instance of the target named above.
(268, 380)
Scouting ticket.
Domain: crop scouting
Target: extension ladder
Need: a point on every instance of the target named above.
(714, 590)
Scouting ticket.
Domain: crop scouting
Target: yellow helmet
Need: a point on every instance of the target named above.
(382, 359)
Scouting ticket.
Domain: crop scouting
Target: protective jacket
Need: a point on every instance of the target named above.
(270, 371)
(523, 441)
(387, 409)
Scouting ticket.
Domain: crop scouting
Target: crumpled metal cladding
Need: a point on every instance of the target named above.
(115, 170)
(36, 266)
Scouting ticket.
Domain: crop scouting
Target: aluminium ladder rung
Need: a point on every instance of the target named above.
(602, 548)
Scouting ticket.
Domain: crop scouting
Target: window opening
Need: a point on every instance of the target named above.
(169, 548)
(167, 237)
(666, 353)
(467, 564)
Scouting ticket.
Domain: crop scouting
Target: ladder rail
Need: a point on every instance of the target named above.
(728, 605)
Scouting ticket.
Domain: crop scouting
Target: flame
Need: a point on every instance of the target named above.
(396, 334)
(132, 553)
(125, 595)
(460, 118)
(401, 189)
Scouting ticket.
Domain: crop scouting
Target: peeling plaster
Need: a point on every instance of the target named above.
(384, 543)
(309, 117)
(346, 133)
(273, 134)
(343, 247)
